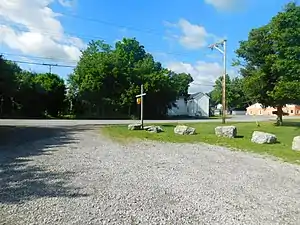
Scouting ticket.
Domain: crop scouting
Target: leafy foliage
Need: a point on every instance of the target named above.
(106, 81)
(235, 96)
(27, 94)
(103, 85)
(270, 60)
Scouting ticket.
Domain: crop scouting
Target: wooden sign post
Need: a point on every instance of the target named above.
(141, 103)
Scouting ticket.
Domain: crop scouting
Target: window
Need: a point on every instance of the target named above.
(292, 111)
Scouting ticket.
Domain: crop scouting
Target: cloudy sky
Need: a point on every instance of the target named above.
(176, 32)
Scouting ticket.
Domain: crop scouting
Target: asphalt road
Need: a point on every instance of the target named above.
(59, 123)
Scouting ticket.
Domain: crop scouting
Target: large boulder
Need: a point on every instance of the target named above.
(296, 143)
(226, 131)
(153, 129)
(259, 137)
(135, 126)
(184, 130)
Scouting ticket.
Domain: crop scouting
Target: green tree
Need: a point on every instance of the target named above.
(8, 85)
(235, 96)
(51, 90)
(216, 93)
(29, 102)
(27, 94)
(106, 81)
(181, 82)
(270, 61)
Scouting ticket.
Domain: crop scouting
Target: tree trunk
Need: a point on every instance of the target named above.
(279, 115)
(129, 111)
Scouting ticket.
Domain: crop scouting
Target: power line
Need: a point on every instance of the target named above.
(153, 32)
(70, 66)
(25, 28)
(55, 34)
(74, 61)
(42, 64)
(73, 66)
(86, 37)
(39, 57)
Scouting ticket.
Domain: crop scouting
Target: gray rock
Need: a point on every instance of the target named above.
(296, 143)
(184, 130)
(136, 126)
(259, 137)
(153, 129)
(226, 131)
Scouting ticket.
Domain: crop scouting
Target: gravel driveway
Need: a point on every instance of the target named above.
(76, 176)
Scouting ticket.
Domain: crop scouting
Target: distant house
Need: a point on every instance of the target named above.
(257, 109)
(195, 105)
(219, 106)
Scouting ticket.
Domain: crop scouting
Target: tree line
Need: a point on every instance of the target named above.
(107, 79)
(30, 95)
(103, 85)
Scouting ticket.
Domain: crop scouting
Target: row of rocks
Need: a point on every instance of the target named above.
(151, 129)
(179, 129)
(258, 137)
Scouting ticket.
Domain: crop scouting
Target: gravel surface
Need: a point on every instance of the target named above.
(76, 176)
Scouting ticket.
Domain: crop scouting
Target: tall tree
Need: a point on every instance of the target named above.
(106, 81)
(270, 61)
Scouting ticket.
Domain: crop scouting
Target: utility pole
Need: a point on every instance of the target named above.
(142, 104)
(50, 66)
(223, 51)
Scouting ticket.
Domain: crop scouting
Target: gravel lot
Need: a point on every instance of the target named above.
(76, 176)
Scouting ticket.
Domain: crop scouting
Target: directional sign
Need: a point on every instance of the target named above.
(140, 95)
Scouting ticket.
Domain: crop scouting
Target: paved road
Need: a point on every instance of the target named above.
(50, 123)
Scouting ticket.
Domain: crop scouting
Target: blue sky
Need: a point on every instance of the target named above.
(175, 32)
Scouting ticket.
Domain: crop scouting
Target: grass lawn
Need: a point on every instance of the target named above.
(205, 133)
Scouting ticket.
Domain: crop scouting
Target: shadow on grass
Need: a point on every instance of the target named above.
(291, 124)
(168, 125)
(20, 180)
(239, 137)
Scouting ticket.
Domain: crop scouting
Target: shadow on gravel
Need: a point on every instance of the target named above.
(20, 181)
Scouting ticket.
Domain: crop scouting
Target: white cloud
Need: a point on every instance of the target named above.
(192, 36)
(203, 73)
(68, 3)
(33, 28)
(225, 5)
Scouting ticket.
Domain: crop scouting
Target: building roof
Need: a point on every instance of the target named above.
(197, 95)
(260, 106)
(256, 105)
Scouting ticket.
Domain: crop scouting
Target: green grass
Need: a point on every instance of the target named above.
(205, 134)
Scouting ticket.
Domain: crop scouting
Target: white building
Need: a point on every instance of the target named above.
(196, 105)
